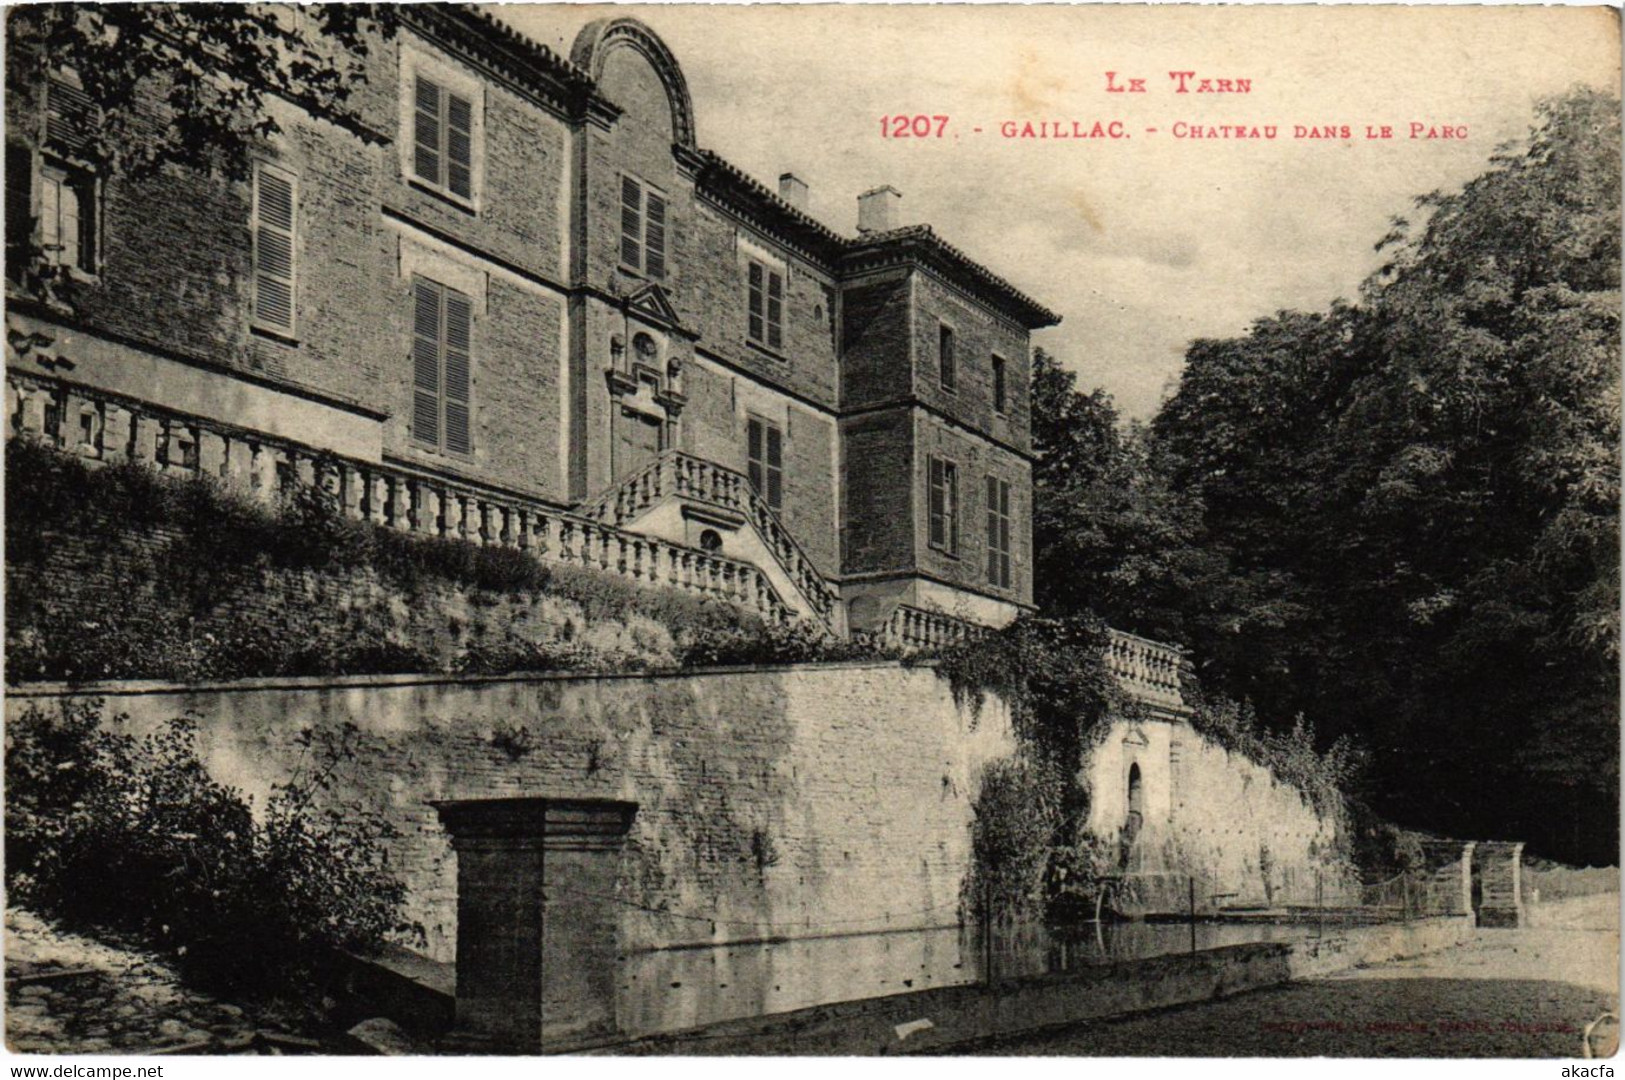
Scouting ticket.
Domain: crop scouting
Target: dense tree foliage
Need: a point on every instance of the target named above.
(206, 69)
(1400, 517)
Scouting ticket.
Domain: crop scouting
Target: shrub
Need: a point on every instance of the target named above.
(183, 578)
(107, 830)
(757, 642)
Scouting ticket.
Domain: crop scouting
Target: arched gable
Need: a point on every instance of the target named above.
(600, 38)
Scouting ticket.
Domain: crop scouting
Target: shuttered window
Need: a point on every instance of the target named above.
(765, 453)
(644, 228)
(70, 117)
(275, 248)
(442, 323)
(998, 532)
(944, 508)
(443, 138)
(766, 288)
(19, 209)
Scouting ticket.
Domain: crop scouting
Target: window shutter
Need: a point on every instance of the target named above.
(631, 223)
(775, 309)
(459, 146)
(1004, 533)
(426, 363)
(757, 307)
(273, 250)
(938, 529)
(50, 210)
(19, 207)
(992, 530)
(426, 132)
(458, 321)
(950, 501)
(69, 116)
(654, 237)
(754, 457)
(775, 467)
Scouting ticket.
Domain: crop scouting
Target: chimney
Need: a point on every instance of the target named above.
(793, 190)
(877, 209)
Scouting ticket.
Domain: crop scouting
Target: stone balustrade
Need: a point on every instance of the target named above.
(916, 629)
(108, 428)
(1148, 670)
(675, 474)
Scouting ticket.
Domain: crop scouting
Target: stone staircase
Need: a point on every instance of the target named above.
(687, 481)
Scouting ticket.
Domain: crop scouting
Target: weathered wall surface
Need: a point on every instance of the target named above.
(789, 801)
(1213, 814)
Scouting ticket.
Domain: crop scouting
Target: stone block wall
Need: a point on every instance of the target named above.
(792, 802)
(1247, 838)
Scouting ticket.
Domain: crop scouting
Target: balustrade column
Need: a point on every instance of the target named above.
(116, 433)
(144, 446)
(211, 454)
(430, 508)
(352, 493)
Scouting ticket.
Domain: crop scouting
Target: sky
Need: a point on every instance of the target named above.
(1142, 243)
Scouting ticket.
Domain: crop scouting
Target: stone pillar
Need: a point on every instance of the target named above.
(1449, 877)
(536, 922)
(1500, 884)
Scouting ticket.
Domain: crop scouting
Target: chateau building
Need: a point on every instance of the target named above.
(519, 302)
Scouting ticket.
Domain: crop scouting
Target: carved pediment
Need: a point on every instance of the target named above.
(1136, 736)
(652, 302)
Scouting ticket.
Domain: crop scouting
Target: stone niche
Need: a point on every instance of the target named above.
(536, 920)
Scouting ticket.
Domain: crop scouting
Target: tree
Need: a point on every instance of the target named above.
(206, 68)
(1111, 538)
(1418, 500)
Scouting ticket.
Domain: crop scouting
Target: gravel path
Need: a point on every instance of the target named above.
(67, 993)
(1504, 993)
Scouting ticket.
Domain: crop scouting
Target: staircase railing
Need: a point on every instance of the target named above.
(675, 474)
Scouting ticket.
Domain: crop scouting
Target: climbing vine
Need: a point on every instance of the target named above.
(1028, 839)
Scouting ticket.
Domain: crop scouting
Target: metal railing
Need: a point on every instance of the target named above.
(107, 428)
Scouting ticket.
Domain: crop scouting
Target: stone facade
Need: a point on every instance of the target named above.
(593, 345)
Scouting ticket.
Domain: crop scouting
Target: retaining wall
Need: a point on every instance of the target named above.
(793, 801)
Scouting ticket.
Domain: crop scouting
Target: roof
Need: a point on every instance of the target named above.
(923, 243)
(798, 228)
(920, 242)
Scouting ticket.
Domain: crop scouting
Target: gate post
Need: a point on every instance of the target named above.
(536, 925)
(1500, 879)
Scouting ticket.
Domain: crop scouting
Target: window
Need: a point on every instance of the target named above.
(765, 451)
(945, 506)
(441, 324)
(443, 138)
(67, 214)
(643, 228)
(945, 357)
(70, 117)
(766, 305)
(998, 532)
(275, 223)
(999, 401)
